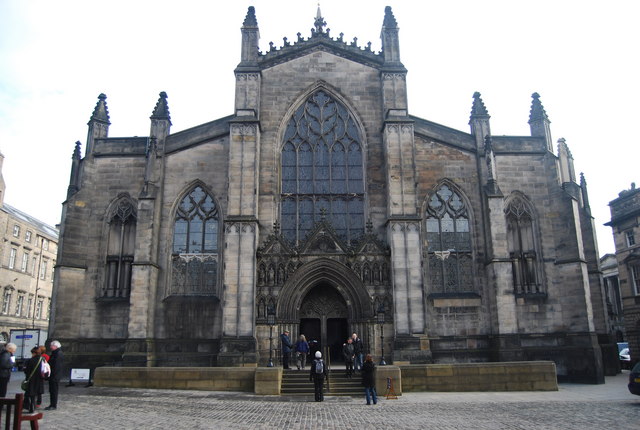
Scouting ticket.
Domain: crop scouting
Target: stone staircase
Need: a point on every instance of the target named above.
(296, 383)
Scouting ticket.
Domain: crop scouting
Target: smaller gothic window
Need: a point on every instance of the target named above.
(448, 243)
(120, 250)
(195, 245)
(522, 249)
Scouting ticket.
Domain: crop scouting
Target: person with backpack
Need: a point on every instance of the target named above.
(318, 375)
(302, 349)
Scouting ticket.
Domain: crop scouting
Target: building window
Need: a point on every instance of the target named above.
(25, 261)
(195, 245)
(120, 250)
(448, 243)
(322, 171)
(19, 305)
(45, 244)
(6, 300)
(27, 236)
(43, 269)
(33, 266)
(522, 249)
(16, 230)
(39, 305)
(630, 238)
(12, 258)
(635, 278)
(30, 306)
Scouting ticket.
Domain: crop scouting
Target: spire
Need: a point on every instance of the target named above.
(478, 108)
(76, 152)
(161, 110)
(390, 40)
(539, 121)
(250, 39)
(101, 113)
(250, 20)
(319, 23)
(98, 124)
(537, 110)
(389, 19)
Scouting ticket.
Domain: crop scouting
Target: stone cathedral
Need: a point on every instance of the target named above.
(323, 205)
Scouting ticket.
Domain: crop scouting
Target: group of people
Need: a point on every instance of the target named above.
(353, 353)
(39, 368)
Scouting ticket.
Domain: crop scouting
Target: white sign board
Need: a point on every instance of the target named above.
(80, 374)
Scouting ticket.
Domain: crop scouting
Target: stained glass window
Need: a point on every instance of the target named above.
(448, 243)
(322, 170)
(522, 250)
(195, 245)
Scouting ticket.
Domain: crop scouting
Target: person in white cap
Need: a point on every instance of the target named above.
(318, 375)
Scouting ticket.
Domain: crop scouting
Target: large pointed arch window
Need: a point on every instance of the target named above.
(322, 170)
(195, 245)
(120, 250)
(522, 248)
(448, 243)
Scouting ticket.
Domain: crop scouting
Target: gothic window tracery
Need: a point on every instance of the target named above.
(522, 248)
(322, 170)
(448, 242)
(195, 245)
(120, 250)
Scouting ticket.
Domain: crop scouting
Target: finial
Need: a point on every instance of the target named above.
(389, 19)
(76, 151)
(323, 214)
(537, 110)
(161, 110)
(101, 113)
(478, 108)
(250, 20)
(319, 22)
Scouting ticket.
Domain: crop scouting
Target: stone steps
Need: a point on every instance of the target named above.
(296, 383)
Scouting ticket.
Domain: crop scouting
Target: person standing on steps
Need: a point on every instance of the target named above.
(286, 348)
(302, 349)
(358, 350)
(348, 354)
(56, 363)
(318, 375)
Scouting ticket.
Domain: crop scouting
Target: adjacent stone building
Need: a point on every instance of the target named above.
(28, 257)
(625, 222)
(322, 202)
(611, 281)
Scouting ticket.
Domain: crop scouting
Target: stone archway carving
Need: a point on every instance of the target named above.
(324, 271)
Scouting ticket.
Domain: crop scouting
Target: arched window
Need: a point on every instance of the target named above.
(522, 249)
(195, 245)
(120, 250)
(448, 243)
(322, 170)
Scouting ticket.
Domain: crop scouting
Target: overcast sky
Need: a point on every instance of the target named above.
(57, 57)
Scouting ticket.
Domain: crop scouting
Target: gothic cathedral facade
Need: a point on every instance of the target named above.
(323, 207)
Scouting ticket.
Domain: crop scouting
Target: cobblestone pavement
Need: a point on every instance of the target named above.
(574, 406)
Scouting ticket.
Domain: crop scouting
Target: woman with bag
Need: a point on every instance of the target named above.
(302, 349)
(34, 382)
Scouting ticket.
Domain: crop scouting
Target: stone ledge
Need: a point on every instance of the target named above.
(507, 376)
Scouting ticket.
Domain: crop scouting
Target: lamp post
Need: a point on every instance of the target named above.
(381, 322)
(271, 320)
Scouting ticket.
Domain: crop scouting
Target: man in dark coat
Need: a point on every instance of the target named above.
(56, 363)
(286, 348)
(318, 377)
(358, 350)
(7, 361)
(348, 354)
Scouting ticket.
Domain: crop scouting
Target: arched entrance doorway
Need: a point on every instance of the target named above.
(325, 301)
(324, 319)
